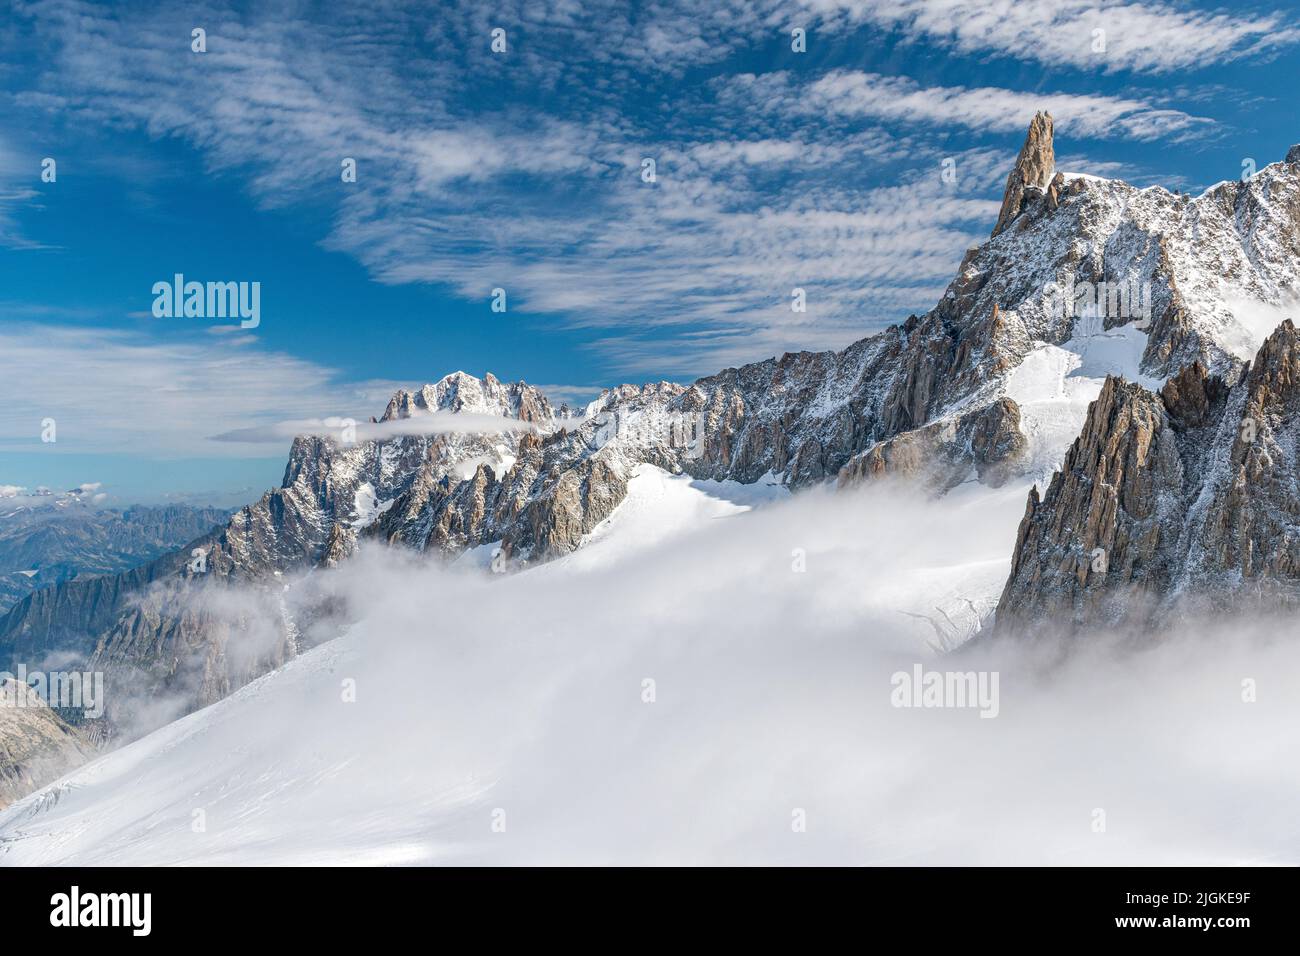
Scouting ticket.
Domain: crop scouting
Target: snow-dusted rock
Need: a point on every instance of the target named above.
(1172, 504)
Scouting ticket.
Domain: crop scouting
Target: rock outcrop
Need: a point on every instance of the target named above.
(987, 444)
(1180, 503)
(36, 746)
(1032, 177)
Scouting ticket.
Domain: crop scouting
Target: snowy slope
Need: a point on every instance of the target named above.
(484, 701)
(1054, 385)
(659, 507)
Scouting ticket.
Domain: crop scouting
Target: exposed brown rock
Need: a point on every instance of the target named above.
(1097, 530)
(36, 745)
(1169, 504)
(996, 442)
(1054, 191)
(1190, 395)
(987, 441)
(1033, 172)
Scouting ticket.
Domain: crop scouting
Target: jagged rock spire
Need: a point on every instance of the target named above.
(1169, 504)
(1034, 169)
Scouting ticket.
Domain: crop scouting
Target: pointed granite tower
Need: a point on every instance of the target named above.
(1034, 169)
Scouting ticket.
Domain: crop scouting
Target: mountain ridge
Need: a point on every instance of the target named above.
(950, 397)
(44, 546)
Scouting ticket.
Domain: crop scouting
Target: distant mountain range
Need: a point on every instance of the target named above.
(48, 540)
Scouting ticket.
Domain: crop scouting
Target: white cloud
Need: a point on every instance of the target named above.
(435, 423)
(110, 391)
(18, 178)
(1149, 37)
(852, 93)
(44, 497)
(727, 153)
(771, 692)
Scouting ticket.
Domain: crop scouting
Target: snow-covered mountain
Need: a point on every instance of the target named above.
(1082, 278)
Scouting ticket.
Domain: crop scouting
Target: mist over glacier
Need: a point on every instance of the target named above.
(519, 699)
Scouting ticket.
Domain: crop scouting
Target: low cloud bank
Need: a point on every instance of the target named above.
(701, 700)
(350, 430)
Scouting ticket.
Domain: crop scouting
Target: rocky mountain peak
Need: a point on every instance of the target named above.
(1034, 169)
(1191, 396)
(1277, 366)
(462, 392)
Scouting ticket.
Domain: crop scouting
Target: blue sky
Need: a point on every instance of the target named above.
(523, 170)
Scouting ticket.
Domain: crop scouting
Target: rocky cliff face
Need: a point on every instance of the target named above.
(65, 622)
(1169, 504)
(36, 746)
